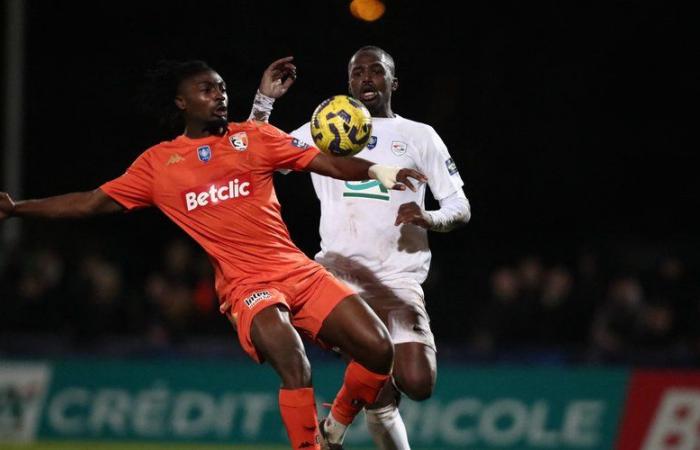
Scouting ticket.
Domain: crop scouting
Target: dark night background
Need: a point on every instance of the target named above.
(570, 123)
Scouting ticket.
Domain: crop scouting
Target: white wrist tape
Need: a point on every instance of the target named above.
(384, 174)
(262, 107)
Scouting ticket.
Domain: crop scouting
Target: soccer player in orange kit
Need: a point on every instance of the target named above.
(215, 182)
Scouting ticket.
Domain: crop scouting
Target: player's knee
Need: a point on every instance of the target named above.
(379, 352)
(384, 349)
(417, 386)
(295, 370)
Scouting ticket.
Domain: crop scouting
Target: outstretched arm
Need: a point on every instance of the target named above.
(68, 206)
(276, 80)
(358, 169)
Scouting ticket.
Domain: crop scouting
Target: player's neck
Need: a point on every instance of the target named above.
(384, 113)
(196, 134)
(199, 131)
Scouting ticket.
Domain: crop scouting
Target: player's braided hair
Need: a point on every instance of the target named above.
(162, 82)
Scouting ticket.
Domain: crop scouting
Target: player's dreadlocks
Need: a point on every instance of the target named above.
(162, 82)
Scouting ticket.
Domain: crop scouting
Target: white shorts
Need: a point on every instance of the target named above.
(400, 305)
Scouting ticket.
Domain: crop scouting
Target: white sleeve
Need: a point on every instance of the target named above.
(303, 133)
(454, 211)
(437, 164)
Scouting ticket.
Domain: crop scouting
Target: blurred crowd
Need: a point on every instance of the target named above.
(92, 300)
(594, 309)
(599, 314)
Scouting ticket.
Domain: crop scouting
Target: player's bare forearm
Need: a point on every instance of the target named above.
(346, 168)
(75, 205)
(358, 169)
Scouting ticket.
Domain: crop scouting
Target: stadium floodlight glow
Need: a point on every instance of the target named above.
(367, 10)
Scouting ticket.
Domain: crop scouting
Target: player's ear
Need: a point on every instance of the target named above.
(394, 84)
(180, 103)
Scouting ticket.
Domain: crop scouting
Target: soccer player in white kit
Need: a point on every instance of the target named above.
(387, 265)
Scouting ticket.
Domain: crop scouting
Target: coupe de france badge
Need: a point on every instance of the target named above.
(398, 148)
(204, 153)
(372, 142)
(239, 141)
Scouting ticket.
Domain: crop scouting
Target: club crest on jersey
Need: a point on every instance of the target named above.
(299, 144)
(451, 166)
(239, 141)
(372, 142)
(204, 153)
(398, 148)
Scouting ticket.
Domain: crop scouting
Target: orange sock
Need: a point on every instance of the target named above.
(360, 387)
(298, 409)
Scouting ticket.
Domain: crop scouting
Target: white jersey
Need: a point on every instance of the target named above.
(358, 236)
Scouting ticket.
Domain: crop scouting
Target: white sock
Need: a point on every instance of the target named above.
(387, 428)
(335, 431)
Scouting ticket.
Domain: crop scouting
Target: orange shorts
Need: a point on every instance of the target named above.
(309, 295)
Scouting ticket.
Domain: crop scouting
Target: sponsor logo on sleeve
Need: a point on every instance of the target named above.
(204, 153)
(239, 141)
(256, 297)
(398, 148)
(300, 144)
(217, 192)
(451, 166)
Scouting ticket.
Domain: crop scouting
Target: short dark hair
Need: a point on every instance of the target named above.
(160, 89)
(375, 49)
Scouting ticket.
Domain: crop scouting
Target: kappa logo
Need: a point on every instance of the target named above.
(204, 153)
(677, 421)
(239, 141)
(174, 159)
(255, 297)
(217, 192)
(398, 148)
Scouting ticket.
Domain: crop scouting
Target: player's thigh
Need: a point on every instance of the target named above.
(278, 343)
(415, 369)
(272, 332)
(357, 331)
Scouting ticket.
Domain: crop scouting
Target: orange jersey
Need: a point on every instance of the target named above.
(219, 190)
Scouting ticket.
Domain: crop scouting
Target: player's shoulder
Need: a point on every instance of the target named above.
(160, 148)
(304, 127)
(413, 127)
(419, 136)
(265, 129)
